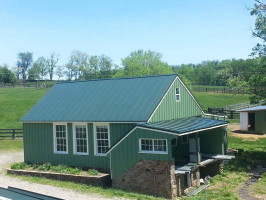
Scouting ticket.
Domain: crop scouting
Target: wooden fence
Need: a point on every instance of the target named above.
(231, 114)
(11, 134)
(217, 90)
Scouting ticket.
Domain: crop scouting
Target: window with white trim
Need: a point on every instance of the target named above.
(80, 134)
(60, 138)
(102, 143)
(153, 145)
(177, 94)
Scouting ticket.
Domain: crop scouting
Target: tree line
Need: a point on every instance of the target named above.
(81, 66)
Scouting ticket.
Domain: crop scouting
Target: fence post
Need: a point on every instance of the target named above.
(13, 134)
(231, 114)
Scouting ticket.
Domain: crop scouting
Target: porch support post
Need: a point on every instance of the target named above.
(197, 147)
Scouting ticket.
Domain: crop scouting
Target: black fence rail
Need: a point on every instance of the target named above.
(11, 134)
(217, 90)
(231, 114)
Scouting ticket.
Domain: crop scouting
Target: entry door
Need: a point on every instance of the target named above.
(192, 145)
(193, 154)
(251, 121)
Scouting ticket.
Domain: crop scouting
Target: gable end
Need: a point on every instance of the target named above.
(169, 108)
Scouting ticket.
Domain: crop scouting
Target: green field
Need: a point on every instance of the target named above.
(15, 102)
(218, 100)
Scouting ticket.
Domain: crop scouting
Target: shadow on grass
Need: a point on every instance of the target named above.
(246, 161)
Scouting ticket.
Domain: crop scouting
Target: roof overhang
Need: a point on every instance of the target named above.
(180, 134)
(183, 126)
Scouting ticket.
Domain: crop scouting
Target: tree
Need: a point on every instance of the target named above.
(257, 82)
(80, 62)
(6, 75)
(259, 11)
(34, 72)
(60, 72)
(52, 64)
(24, 63)
(70, 69)
(105, 65)
(257, 87)
(77, 65)
(140, 63)
(42, 65)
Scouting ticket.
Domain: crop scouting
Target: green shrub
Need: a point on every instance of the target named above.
(75, 170)
(34, 166)
(93, 172)
(20, 165)
(45, 167)
(65, 169)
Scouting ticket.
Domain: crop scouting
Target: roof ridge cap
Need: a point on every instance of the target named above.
(120, 78)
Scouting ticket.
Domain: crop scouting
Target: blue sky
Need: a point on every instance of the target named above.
(183, 31)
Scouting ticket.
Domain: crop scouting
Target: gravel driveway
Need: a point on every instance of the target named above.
(5, 181)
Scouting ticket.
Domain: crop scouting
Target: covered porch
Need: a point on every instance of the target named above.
(198, 148)
(195, 139)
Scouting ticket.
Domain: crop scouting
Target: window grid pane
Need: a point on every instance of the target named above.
(153, 145)
(60, 134)
(102, 140)
(81, 139)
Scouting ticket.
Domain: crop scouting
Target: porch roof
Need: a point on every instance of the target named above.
(184, 125)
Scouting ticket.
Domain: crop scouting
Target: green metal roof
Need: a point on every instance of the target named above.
(105, 100)
(184, 125)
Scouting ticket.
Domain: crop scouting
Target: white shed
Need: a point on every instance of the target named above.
(253, 119)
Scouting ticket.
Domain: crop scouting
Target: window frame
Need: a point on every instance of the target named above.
(95, 138)
(153, 152)
(75, 139)
(55, 138)
(177, 94)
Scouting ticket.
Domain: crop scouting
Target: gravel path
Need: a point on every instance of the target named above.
(5, 181)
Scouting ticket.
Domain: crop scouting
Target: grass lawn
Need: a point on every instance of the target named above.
(259, 188)
(11, 145)
(217, 100)
(15, 102)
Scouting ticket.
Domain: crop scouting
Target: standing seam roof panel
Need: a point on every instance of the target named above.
(107, 100)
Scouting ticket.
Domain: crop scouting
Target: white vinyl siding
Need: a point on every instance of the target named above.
(153, 146)
(102, 139)
(60, 138)
(80, 139)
